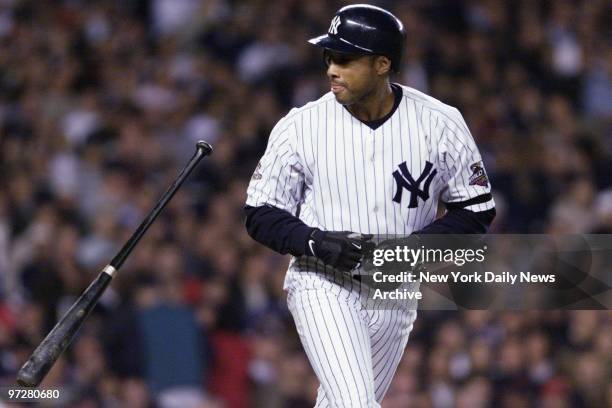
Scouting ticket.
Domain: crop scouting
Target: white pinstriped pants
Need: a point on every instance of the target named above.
(353, 351)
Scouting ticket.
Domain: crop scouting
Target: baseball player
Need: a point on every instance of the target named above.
(369, 157)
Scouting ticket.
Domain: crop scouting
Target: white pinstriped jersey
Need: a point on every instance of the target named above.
(338, 174)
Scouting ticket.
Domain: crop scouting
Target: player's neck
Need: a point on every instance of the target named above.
(375, 106)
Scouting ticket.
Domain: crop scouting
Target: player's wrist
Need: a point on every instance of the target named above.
(313, 242)
(298, 240)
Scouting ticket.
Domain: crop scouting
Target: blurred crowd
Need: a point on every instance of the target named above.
(101, 103)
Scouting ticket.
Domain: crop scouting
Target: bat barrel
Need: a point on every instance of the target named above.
(49, 350)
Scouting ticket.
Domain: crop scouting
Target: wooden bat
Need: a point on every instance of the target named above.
(45, 355)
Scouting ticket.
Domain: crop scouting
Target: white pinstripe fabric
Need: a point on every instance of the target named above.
(353, 350)
(338, 173)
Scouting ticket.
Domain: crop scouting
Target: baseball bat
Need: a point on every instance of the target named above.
(49, 350)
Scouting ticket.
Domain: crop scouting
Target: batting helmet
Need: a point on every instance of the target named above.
(365, 29)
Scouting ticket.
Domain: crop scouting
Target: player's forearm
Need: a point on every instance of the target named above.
(277, 229)
(460, 221)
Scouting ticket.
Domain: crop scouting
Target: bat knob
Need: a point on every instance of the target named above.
(205, 147)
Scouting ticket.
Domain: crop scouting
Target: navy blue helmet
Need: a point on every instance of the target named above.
(365, 29)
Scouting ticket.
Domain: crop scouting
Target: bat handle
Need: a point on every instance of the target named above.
(203, 149)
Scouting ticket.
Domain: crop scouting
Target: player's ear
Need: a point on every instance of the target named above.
(382, 65)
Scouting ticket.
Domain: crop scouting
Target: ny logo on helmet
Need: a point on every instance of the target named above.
(404, 180)
(333, 28)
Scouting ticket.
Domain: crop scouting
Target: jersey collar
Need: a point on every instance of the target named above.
(375, 124)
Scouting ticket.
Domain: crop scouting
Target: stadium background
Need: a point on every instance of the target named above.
(100, 105)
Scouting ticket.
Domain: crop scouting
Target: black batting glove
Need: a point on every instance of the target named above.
(411, 241)
(342, 250)
(390, 268)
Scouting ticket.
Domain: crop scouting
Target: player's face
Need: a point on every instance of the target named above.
(352, 77)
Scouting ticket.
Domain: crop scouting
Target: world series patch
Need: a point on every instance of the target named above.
(478, 177)
(257, 173)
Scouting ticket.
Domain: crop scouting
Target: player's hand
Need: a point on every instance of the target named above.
(394, 267)
(343, 250)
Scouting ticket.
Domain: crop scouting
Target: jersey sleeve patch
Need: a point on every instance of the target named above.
(478, 176)
(257, 173)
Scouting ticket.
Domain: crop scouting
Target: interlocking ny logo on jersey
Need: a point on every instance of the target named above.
(404, 180)
(333, 28)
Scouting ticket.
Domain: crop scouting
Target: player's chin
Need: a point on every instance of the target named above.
(343, 97)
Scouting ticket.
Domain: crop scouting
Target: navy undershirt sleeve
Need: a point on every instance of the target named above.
(285, 233)
(277, 229)
(460, 221)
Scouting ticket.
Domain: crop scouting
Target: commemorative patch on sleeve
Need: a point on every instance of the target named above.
(257, 172)
(478, 177)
